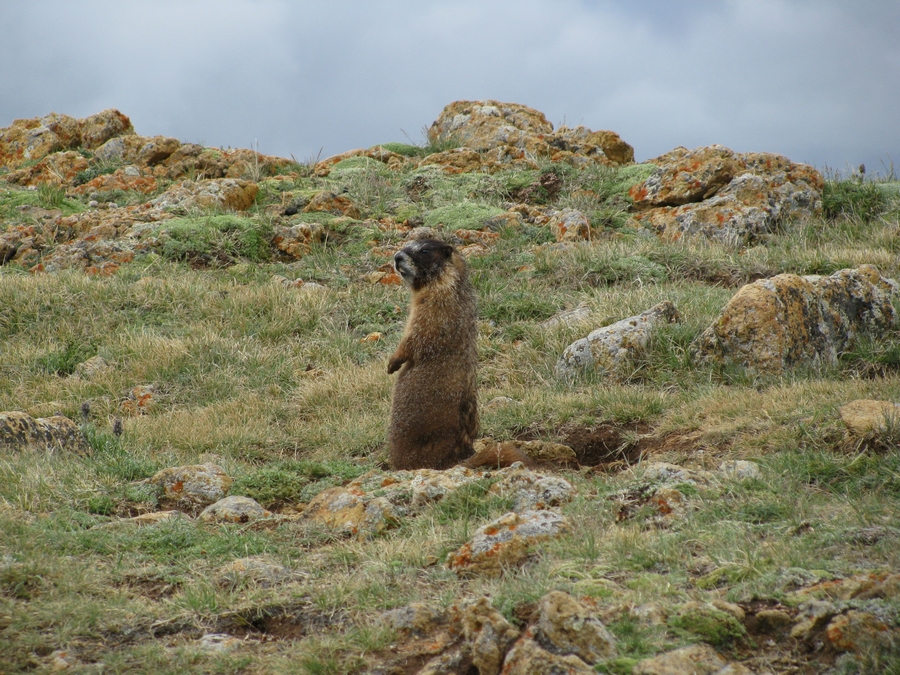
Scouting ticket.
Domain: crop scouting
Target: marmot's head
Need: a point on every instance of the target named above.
(422, 262)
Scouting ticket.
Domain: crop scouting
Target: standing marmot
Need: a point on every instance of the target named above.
(434, 416)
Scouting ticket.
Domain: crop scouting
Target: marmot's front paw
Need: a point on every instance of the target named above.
(394, 365)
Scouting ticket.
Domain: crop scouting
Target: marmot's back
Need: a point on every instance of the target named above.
(434, 413)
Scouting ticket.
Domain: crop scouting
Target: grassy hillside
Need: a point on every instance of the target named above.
(284, 386)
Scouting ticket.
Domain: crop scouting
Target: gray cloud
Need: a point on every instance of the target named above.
(816, 81)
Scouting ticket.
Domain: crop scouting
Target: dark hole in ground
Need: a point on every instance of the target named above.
(606, 443)
(290, 622)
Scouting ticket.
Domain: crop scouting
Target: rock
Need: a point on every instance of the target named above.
(140, 150)
(865, 417)
(458, 160)
(510, 134)
(570, 225)
(568, 317)
(771, 621)
(534, 491)
(857, 631)
(698, 659)
(537, 451)
(234, 510)
(92, 367)
(571, 629)
(686, 176)
(527, 657)
(487, 634)
(224, 193)
(739, 469)
(57, 169)
(254, 569)
(330, 202)
(192, 485)
(672, 474)
(774, 324)
(99, 128)
(20, 432)
(485, 125)
(296, 241)
(429, 485)
(415, 620)
(102, 257)
(506, 542)
(352, 511)
(124, 178)
(716, 193)
(217, 643)
(146, 519)
(610, 349)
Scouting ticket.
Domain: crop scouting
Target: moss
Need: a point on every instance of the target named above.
(214, 239)
(467, 216)
(712, 625)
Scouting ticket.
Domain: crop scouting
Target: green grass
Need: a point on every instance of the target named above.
(276, 385)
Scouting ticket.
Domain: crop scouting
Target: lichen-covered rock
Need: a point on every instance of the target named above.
(533, 491)
(59, 168)
(352, 510)
(610, 349)
(140, 150)
(192, 485)
(739, 469)
(865, 417)
(856, 631)
(99, 128)
(224, 193)
(234, 510)
(718, 194)
(295, 241)
(528, 657)
(568, 317)
(698, 659)
(330, 202)
(415, 620)
(571, 628)
(487, 634)
(570, 225)
(258, 570)
(686, 176)
(536, 451)
(495, 135)
(391, 159)
(20, 432)
(787, 320)
(506, 542)
(91, 367)
(429, 485)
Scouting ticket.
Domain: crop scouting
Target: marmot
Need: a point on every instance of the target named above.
(434, 415)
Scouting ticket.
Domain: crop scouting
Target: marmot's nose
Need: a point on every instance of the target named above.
(398, 256)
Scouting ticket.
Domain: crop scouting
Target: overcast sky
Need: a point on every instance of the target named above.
(816, 80)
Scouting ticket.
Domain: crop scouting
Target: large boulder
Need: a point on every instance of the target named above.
(223, 193)
(722, 195)
(495, 135)
(788, 320)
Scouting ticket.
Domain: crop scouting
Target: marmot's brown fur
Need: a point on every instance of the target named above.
(434, 415)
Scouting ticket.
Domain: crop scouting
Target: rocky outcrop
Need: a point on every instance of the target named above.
(20, 432)
(30, 139)
(234, 510)
(510, 134)
(224, 193)
(609, 350)
(788, 320)
(722, 195)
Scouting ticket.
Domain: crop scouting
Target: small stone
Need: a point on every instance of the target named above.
(740, 469)
(234, 510)
(506, 542)
(192, 485)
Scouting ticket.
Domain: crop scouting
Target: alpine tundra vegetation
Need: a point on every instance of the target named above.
(699, 355)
